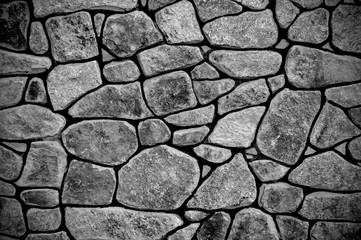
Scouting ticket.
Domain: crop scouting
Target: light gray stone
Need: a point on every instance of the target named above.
(204, 71)
(282, 44)
(98, 22)
(331, 3)
(214, 227)
(286, 12)
(195, 215)
(157, 4)
(212, 153)
(106, 56)
(17, 146)
(292, 228)
(346, 96)
(11, 217)
(7, 189)
(153, 131)
(276, 83)
(354, 147)
(254, 4)
(207, 91)
(11, 90)
(355, 115)
(267, 170)
(38, 42)
(36, 92)
(185, 233)
(190, 136)
(308, 4)
(207, 10)
(40, 197)
(48, 236)
(335, 231)
(198, 116)
(43, 219)
(10, 164)
(121, 71)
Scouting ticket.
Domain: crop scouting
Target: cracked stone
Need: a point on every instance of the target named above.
(156, 4)
(195, 215)
(48, 236)
(215, 227)
(98, 22)
(153, 131)
(185, 233)
(346, 96)
(207, 91)
(354, 147)
(308, 4)
(286, 12)
(208, 10)
(121, 71)
(267, 170)
(10, 164)
(46, 198)
(276, 83)
(38, 42)
(355, 115)
(36, 92)
(292, 228)
(198, 116)
(11, 90)
(190, 136)
(212, 153)
(335, 231)
(204, 71)
(11, 217)
(43, 219)
(7, 189)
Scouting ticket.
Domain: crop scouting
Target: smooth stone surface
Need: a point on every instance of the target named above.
(48, 236)
(43, 219)
(283, 132)
(354, 147)
(156, 4)
(11, 164)
(153, 131)
(38, 41)
(215, 227)
(36, 92)
(212, 153)
(40, 197)
(267, 170)
(11, 217)
(276, 83)
(7, 189)
(204, 71)
(355, 116)
(286, 12)
(207, 91)
(346, 96)
(185, 233)
(207, 10)
(11, 90)
(292, 228)
(198, 116)
(121, 71)
(98, 22)
(190, 136)
(308, 4)
(195, 215)
(335, 231)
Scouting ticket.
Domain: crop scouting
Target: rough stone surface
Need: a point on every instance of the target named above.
(215, 227)
(43, 219)
(335, 231)
(17, 146)
(292, 228)
(198, 116)
(98, 22)
(11, 217)
(153, 131)
(156, 4)
(48, 236)
(10, 164)
(207, 10)
(212, 153)
(276, 83)
(254, 4)
(38, 42)
(282, 44)
(355, 115)
(36, 92)
(40, 197)
(195, 215)
(185, 233)
(204, 71)
(286, 12)
(354, 147)
(331, 3)
(267, 170)
(122, 71)
(347, 96)
(308, 4)
(11, 90)
(190, 136)
(207, 91)
(7, 189)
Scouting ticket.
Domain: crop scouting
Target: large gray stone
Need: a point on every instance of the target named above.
(36, 92)
(10, 164)
(336, 231)
(212, 153)
(347, 96)
(185, 233)
(207, 10)
(121, 71)
(189, 136)
(48, 236)
(292, 228)
(286, 12)
(198, 116)
(43, 219)
(11, 217)
(308, 4)
(38, 42)
(215, 227)
(40, 197)
(11, 90)
(153, 131)
(267, 170)
(354, 147)
(204, 71)
(207, 91)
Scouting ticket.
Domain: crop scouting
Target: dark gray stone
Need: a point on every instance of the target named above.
(10, 164)
(207, 10)
(354, 147)
(267, 170)
(121, 71)
(286, 12)
(207, 91)
(292, 228)
(215, 227)
(355, 115)
(40, 197)
(38, 42)
(190, 136)
(198, 116)
(212, 153)
(43, 219)
(11, 217)
(7, 189)
(36, 92)
(153, 131)
(11, 90)
(336, 231)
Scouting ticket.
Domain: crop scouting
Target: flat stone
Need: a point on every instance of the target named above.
(38, 42)
(286, 12)
(254, 4)
(312, 68)
(43, 219)
(10, 164)
(244, 95)
(72, 37)
(198, 116)
(159, 178)
(98, 22)
(11, 217)
(29, 122)
(283, 132)
(276, 83)
(292, 228)
(185, 233)
(331, 3)
(119, 223)
(112, 101)
(207, 91)
(88, 184)
(7, 189)
(335, 231)
(355, 115)
(215, 227)
(40, 197)
(17, 146)
(106, 56)
(195, 215)
(156, 4)
(48, 236)
(178, 23)
(11, 90)
(327, 171)
(246, 64)
(346, 96)
(121, 71)
(7, 238)
(68, 82)
(125, 34)
(36, 92)
(45, 165)
(166, 57)
(204, 71)
(346, 30)
(190, 136)
(267, 170)
(153, 131)
(231, 185)
(207, 10)
(212, 153)
(354, 147)
(252, 224)
(308, 4)
(246, 30)
(237, 129)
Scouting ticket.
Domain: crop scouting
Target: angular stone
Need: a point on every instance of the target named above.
(98, 22)
(40, 197)
(38, 41)
(10, 164)
(207, 91)
(308, 4)
(166, 57)
(328, 171)
(119, 223)
(7, 189)
(276, 83)
(286, 12)
(159, 178)
(283, 132)
(190, 136)
(11, 90)
(347, 96)
(246, 64)
(112, 101)
(153, 131)
(247, 30)
(204, 71)
(121, 71)
(283, 44)
(355, 115)
(48, 236)
(267, 170)
(244, 95)
(207, 10)
(156, 4)
(68, 82)
(43, 219)
(332, 206)
(346, 29)
(29, 122)
(251, 224)
(17, 146)
(195, 215)
(254, 4)
(106, 56)
(215, 227)
(185, 233)
(237, 129)
(212, 153)
(36, 93)
(45, 165)
(312, 68)
(354, 147)
(292, 228)
(335, 231)
(11, 217)
(198, 116)
(231, 185)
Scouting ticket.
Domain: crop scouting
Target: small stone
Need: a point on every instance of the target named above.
(355, 115)
(166, 57)
(276, 83)
(38, 41)
(190, 136)
(327, 171)
(185, 233)
(237, 129)
(43, 219)
(332, 206)
(121, 71)
(40, 197)
(207, 10)
(11, 217)
(98, 23)
(308, 4)
(29, 122)
(207, 91)
(246, 30)
(119, 223)
(45, 165)
(231, 185)
(143, 3)
(195, 215)
(68, 82)
(212, 153)
(36, 92)
(286, 12)
(198, 116)
(354, 147)
(156, 4)
(106, 56)
(72, 37)
(244, 95)
(204, 71)
(215, 227)
(17, 146)
(11, 90)
(341, 148)
(88, 184)
(346, 96)
(292, 228)
(112, 101)
(267, 170)
(331, 3)
(283, 44)
(7, 189)
(153, 131)
(246, 64)
(205, 170)
(48, 236)
(335, 231)
(10, 164)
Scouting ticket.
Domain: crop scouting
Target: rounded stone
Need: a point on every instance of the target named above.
(286, 12)
(11, 90)
(121, 71)
(40, 197)
(204, 71)
(208, 10)
(153, 131)
(38, 41)
(207, 91)
(267, 170)
(346, 96)
(292, 228)
(198, 116)
(212, 153)
(43, 219)
(354, 147)
(7, 189)
(11, 217)
(36, 92)
(10, 164)
(48, 236)
(189, 136)
(308, 4)
(215, 227)
(254, 4)
(335, 231)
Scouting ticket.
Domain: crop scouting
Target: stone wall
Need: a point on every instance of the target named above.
(180, 120)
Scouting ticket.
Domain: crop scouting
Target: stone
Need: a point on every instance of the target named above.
(244, 95)
(205, 170)
(48, 236)
(204, 71)
(178, 23)
(167, 57)
(29, 122)
(157, 4)
(72, 37)
(119, 223)
(11, 217)
(328, 47)
(331, 3)
(332, 206)
(43, 219)
(190, 136)
(38, 42)
(10, 164)
(36, 92)
(332, 127)
(252, 223)
(312, 68)
(229, 186)
(237, 129)
(185, 233)
(153, 131)
(7, 189)
(45, 165)
(68, 82)
(215, 227)
(286, 12)
(292, 228)
(327, 171)
(158, 178)
(254, 4)
(335, 231)
(355, 116)
(11, 90)
(88, 184)
(246, 64)
(246, 30)
(267, 170)
(106, 56)
(198, 116)
(341, 148)
(169, 93)
(40, 197)
(143, 3)
(195, 215)
(346, 28)
(14, 22)
(346, 96)
(112, 101)
(17, 146)
(208, 10)
(284, 130)
(212, 153)
(283, 44)
(276, 83)
(121, 71)
(354, 147)
(207, 91)
(98, 23)
(308, 4)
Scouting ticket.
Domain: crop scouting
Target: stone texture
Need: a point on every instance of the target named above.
(346, 96)
(40, 197)
(335, 231)
(106, 56)
(72, 37)
(204, 71)
(198, 116)
(125, 34)
(11, 90)
(121, 71)
(254, 4)
(247, 30)
(7, 189)
(119, 223)
(292, 228)
(207, 10)
(283, 132)
(98, 22)
(185, 233)
(17, 146)
(10, 164)
(308, 4)
(312, 68)
(355, 116)
(159, 178)
(207, 91)
(212, 153)
(190, 136)
(48, 236)
(38, 42)
(36, 92)
(156, 4)
(195, 215)
(331, 3)
(112, 101)
(276, 83)
(153, 131)
(43, 219)
(237, 129)
(214, 227)
(231, 185)
(354, 147)
(11, 217)
(267, 170)
(286, 12)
